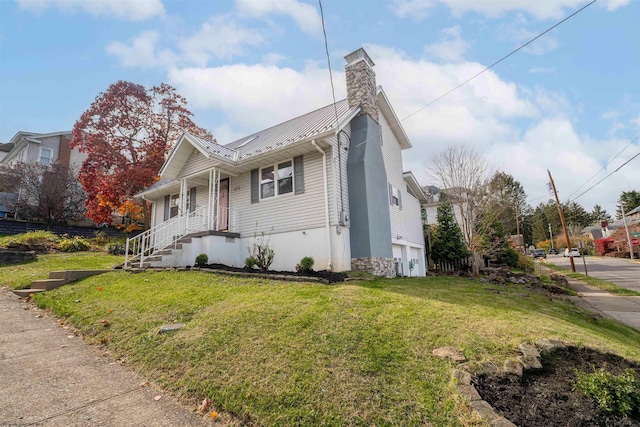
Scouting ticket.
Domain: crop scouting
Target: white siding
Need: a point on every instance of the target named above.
(289, 212)
(406, 222)
(335, 192)
(197, 163)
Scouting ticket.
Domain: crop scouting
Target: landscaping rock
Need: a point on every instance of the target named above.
(529, 350)
(502, 422)
(476, 368)
(549, 346)
(559, 279)
(529, 363)
(450, 353)
(484, 410)
(462, 377)
(512, 367)
(469, 392)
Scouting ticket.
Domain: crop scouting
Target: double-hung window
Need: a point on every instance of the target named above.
(46, 156)
(276, 180)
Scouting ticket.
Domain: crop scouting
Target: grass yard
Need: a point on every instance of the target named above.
(598, 283)
(19, 276)
(288, 354)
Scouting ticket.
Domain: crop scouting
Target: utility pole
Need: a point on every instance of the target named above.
(564, 225)
(551, 235)
(624, 219)
(518, 230)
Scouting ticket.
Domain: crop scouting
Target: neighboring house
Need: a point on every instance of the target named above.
(434, 196)
(43, 148)
(633, 214)
(601, 229)
(315, 186)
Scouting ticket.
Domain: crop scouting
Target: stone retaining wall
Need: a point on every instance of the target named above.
(16, 257)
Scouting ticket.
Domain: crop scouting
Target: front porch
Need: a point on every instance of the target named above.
(181, 209)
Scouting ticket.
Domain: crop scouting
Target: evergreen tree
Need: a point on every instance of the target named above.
(494, 243)
(631, 200)
(599, 214)
(447, 243)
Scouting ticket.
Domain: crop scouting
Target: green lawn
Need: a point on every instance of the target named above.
(288, 354)
(19, 276)
(598, 283)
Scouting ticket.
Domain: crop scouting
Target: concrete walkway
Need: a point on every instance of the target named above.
(624, 309)
(50, 377)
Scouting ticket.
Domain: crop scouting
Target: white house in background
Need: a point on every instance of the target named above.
(434, 196)
(328, 184)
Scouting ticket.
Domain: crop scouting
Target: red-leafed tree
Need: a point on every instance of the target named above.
(127, 133)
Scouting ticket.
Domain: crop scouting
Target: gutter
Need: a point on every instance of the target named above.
(326, 200)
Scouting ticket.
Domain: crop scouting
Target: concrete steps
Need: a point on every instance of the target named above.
(55, 280)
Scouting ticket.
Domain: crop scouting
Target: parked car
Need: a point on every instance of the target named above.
(539, 253)
(573, 252)
(553, 251)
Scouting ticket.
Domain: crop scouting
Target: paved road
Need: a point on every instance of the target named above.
(622, 272)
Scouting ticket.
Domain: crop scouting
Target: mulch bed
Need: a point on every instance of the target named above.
(547, 398)
(330, 276)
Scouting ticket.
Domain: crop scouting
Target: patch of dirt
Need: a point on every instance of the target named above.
(548, 399)
(330, 276)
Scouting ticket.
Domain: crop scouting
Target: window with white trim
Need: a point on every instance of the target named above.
(276, 180)
(46, 156)
(174, 205)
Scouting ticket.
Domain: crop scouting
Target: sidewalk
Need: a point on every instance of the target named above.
(50, 377)
(624, 309)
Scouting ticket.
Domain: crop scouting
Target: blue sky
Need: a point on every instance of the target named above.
(568, 103)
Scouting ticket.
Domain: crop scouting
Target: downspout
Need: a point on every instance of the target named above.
(326, 200)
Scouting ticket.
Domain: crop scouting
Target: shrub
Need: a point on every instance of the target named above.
(262, 252)
(39, 241)
(616, 394)
(116, 247)
(526, 263)
(250, 262)
(202, 260)
(73, 244)
(306, 265)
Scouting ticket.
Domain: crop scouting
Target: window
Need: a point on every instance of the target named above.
(276, 180)
(395, 198)
(46, 156)
(174, 205)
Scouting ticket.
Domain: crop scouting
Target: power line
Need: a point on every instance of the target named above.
(326, 48)
(616, 170)
(486, 68)
(603, 167)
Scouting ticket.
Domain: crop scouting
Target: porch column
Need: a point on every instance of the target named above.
(214, 190)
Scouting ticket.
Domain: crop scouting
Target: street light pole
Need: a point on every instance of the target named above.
(624, 220)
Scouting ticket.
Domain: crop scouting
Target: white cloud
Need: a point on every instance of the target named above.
(254, 97)
(416, 9)
(220, 37)
(451, 46)
(141, 52)
(129, 10)
(544, 9)
(305, 15)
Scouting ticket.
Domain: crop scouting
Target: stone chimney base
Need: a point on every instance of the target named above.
(382, 267)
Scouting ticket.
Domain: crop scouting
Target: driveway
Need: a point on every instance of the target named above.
(622, 272)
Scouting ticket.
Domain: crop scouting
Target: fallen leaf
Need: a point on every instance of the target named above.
(100, 288)
(204, 406)
(158, 397)
(213, 415)
(144, 384)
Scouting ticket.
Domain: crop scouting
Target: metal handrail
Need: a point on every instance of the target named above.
(167, 234)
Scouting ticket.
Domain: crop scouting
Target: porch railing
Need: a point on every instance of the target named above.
(167, 234)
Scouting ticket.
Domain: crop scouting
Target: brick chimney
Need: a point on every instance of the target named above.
(361, 83)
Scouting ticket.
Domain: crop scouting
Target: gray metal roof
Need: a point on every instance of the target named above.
(297, 129)
(632, 211)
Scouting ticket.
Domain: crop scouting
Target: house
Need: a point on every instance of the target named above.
(42, 148)
(435, 198)
(328, 184)
(633, 214)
